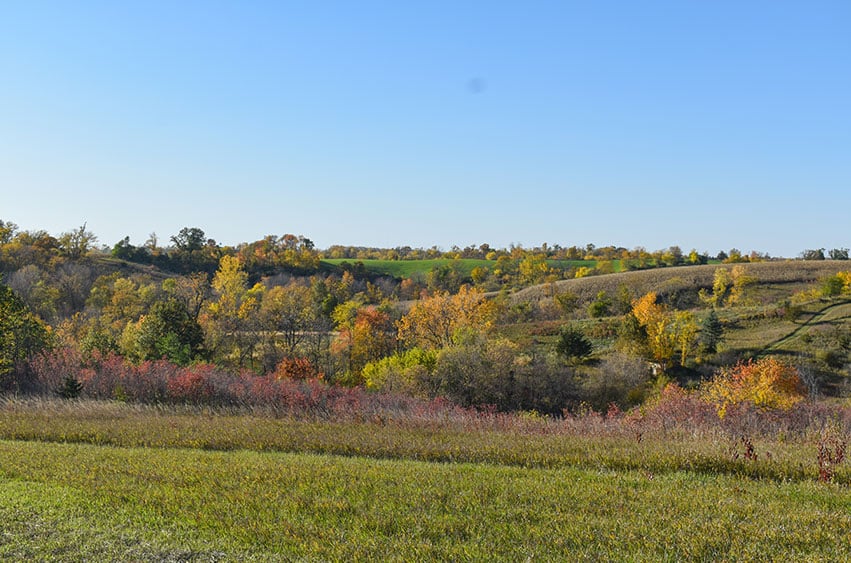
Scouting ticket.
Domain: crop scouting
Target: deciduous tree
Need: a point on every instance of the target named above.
(22, 335)
(766, 383)
(433, 322)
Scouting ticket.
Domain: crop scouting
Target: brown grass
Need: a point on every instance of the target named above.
(776, 280)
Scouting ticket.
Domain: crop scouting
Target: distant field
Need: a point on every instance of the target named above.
(408, 268)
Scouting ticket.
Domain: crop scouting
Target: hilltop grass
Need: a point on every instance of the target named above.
(71, 502)
(774, 281)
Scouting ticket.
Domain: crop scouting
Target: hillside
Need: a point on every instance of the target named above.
(774, 280)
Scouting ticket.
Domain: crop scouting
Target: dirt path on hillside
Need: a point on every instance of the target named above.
(833, 311)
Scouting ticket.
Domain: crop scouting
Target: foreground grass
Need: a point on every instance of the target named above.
(531, 444)
(64, 501)
(591, 444)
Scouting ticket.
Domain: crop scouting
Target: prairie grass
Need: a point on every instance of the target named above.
(681, 434)
(782, 278)
(97, 480)
(69, 502)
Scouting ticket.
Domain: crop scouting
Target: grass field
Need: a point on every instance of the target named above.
(71, 502)
(106, 481)
(408, 268)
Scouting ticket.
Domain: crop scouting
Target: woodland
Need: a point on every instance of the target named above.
(546, 329)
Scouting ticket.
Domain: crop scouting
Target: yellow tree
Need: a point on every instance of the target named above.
(767, 383)
(231, 324)
(720, 287)
(434, 322)
(666, 331)
(741, 281)
(685, 328)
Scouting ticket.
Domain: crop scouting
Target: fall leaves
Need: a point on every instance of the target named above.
(765, 383)
(435, 322)
(666, 331)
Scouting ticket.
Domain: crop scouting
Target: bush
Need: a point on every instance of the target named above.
(621, 379)
(405, 372)
(833, 357)
(601, 306)
(297, 368)
(767, 383)
(71, 388)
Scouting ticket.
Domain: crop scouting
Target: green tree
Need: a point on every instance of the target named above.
(189, 239)
(22, 335)
(601, 306)
(176, 335)
(572, 344)
(839, 254)
(711, 333)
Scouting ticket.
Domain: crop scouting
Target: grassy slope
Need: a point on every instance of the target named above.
(752, 329)
(774, 280)
(69, 502)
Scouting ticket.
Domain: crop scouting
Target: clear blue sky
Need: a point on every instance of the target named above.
(703, 124)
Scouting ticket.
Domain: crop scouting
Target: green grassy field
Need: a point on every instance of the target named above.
(107, 481)
(408, 268)
(71, 502)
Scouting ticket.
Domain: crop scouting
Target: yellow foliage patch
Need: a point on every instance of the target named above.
(766, 383)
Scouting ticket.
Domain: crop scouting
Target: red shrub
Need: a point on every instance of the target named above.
(192, 384)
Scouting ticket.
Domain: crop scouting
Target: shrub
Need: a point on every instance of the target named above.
(71, 388)
(832, 357)
(401, 372)
(832, 286)
(620, 379)
(767, 383)
(297, 368)
(601, 306)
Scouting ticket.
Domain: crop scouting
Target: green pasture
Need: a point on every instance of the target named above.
(68, 502)
(408, 268)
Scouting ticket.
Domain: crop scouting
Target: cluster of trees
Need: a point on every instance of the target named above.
(637, 257)
(192, 251)
(818, 254)
(269, 308)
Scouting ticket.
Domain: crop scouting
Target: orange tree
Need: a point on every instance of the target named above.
(767, 383)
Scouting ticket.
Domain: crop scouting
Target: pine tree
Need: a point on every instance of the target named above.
(711, 332)
(572, 344)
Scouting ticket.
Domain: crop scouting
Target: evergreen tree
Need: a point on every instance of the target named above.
(711, 333)
(572, 344)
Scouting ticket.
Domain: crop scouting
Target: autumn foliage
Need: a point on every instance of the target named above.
(297, 368)
(767, 383)
(433, 323)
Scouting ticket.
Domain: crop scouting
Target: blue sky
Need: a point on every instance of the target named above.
(709, 125)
